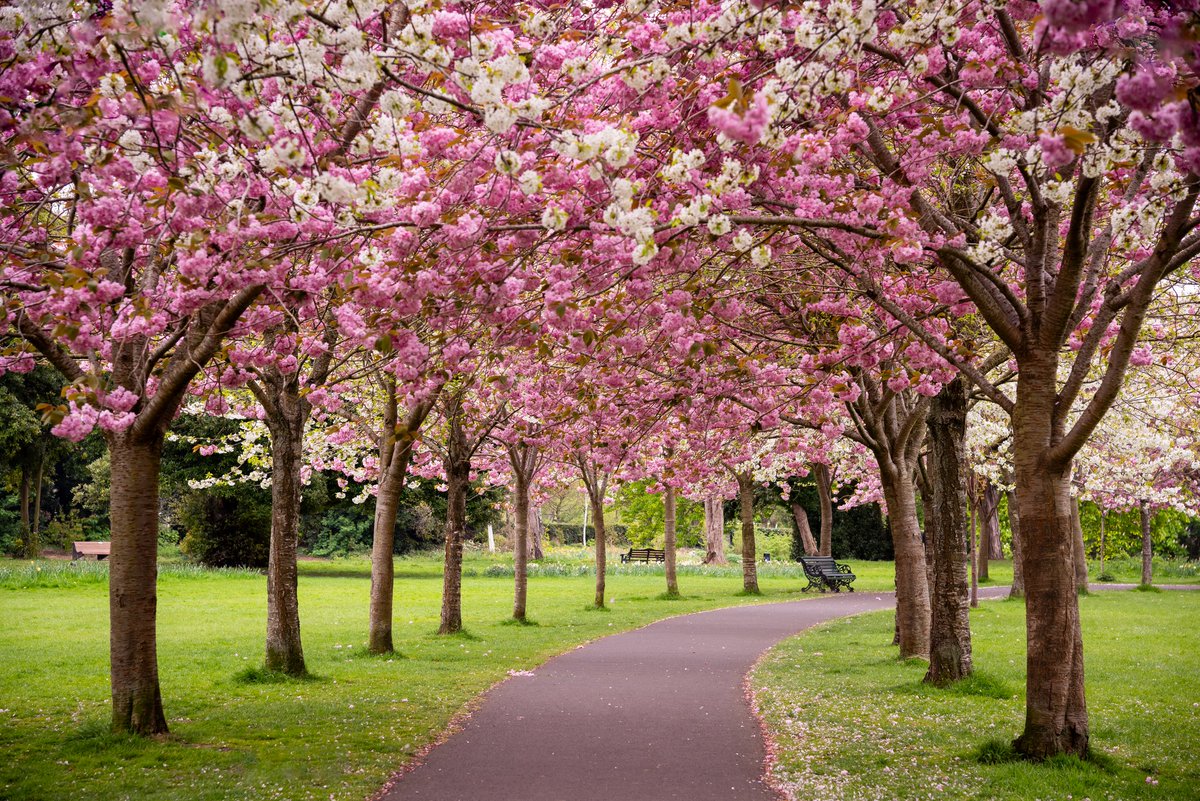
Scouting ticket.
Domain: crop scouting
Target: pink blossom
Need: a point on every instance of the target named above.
(748, 127)
(120, 399)
(450, 25)
(1055, 151)
(78, 423)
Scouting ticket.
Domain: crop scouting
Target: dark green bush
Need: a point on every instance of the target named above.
(226, 526)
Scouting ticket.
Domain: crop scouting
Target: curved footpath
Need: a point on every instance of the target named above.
(652, 714)
(655, 713)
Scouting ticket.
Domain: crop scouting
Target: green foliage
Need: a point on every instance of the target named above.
(643, 514)
(1128, 570)
(340, 532)
(12, 538)
(226, 526)
(858, 533)
(1123, 531)
(572, 533)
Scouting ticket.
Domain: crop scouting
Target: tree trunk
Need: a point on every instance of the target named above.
(1014, 525)
(520, 545)
(946, 530)
(1103, 543)
(806, 536)
(458, 478)
(825, 495)
(1078, 551)
(746, 507)
(714, 532)
(35, 524)
(912, 587)
(537, 532)
(285, 652)
(973, 550)
(395, 453)
(669, 541)
(596, 500)
(1147, 545)
(985, 508)
(132, 584)
(991, 520)
(1056, 719)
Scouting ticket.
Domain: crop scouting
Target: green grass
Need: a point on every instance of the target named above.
(852, 722)
(1128, 570)
(239, 732)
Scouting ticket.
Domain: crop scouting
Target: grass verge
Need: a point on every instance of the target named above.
(850, 722)
(239, 732)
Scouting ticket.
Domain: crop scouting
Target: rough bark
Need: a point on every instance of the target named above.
(1014, 525)
(1056, 718)
(523, 459)
(945, 532)
(132, 586)
(285, 652)
(395, 452)
(991, 520)
(457, 465)
(986, 508)
(825, 496)
(669, 541)
(807, 542)
(520, 544)
(595, 482)
(35, 524)
(912, 587)
(746, 508)
(537, 533)
(1078, 551)
(714, 532)
(597, 504)
(1147, 545)
(973, 550)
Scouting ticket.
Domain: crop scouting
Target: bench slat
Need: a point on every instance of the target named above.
(96, 549)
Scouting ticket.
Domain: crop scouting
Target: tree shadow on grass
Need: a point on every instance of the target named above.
(978, 684)
(257, 674)
(999, 752)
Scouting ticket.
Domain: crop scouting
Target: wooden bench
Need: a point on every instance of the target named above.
(823, 573)
(95, 550)
(646, 555)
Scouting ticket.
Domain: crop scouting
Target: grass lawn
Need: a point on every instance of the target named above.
(235, 736)
(852, 722)
(1128, 570)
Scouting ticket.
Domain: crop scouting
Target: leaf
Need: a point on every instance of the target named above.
(1076, 139)
(736, 95)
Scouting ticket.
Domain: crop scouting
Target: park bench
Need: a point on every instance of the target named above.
(644, 555)
(823, 573)
(95, 550)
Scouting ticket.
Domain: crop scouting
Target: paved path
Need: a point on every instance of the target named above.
(653, 714)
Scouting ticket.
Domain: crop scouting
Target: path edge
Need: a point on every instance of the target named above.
(459, 719)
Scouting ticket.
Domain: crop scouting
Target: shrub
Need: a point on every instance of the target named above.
(226, 526)
(340, 531)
